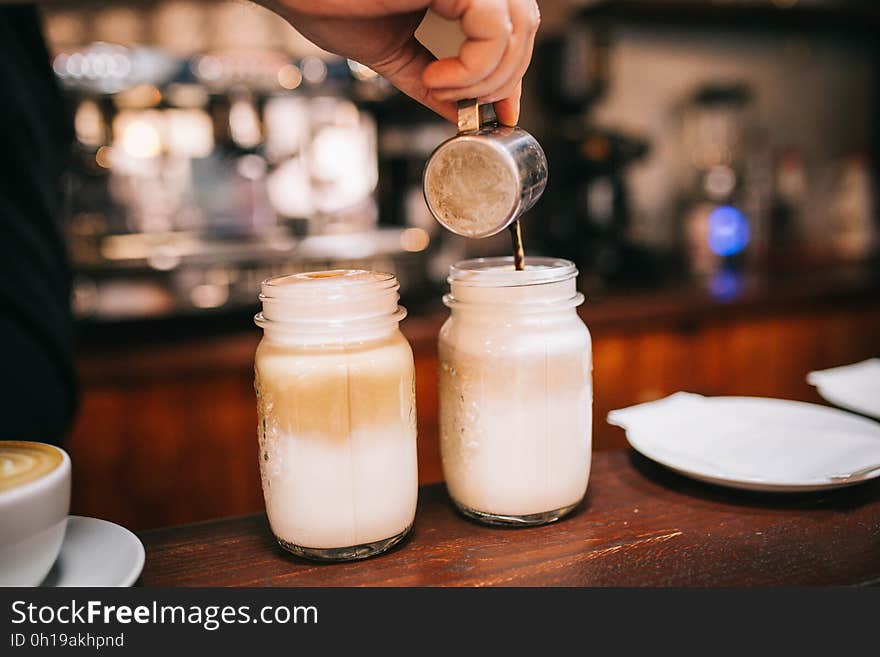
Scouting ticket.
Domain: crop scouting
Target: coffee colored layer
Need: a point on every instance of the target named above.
(326, 393)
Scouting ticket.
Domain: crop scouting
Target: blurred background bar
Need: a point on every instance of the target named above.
(713, 173)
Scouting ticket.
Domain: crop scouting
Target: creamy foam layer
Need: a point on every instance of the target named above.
(489, 282)
(337, 440)
(321, 297)
(23, 462)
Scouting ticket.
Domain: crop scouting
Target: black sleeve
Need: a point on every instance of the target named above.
(37, 381)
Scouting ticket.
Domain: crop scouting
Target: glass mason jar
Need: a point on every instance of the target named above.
(334, 379)
(516, 394)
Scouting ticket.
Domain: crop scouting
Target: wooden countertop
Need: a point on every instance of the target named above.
(640, 525)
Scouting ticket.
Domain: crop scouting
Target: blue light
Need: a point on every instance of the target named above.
(728, 230)
(725, 285)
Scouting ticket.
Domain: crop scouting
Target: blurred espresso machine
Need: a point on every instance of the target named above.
(587, 215)
(204, 164)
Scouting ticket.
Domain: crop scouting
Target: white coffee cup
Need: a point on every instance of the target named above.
(33, 519)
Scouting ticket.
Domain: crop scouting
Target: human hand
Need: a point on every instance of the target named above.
(499, 39)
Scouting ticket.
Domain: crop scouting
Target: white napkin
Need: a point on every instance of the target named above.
(856, 386)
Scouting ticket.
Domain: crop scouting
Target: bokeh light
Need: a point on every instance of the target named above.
(728, 230)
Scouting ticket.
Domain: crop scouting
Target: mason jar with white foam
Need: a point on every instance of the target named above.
(515, 380)
(334, 379)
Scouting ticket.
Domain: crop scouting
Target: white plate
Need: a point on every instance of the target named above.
(854, 387)
(753, 443)
(96, 553)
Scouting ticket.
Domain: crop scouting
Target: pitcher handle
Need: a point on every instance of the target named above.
(472, 115)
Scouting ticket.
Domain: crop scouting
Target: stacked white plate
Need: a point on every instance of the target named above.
(754, 443)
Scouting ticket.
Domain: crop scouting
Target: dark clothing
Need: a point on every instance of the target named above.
(37, 382)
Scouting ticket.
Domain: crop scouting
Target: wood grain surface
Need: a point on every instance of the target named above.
(640, 525)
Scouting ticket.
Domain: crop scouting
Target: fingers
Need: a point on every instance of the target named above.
(507, 109)
(501, 82)
(405, 69)
(500, 37)
(494, 58)
(487, 27)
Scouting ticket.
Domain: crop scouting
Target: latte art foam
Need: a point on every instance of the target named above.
(24, 462)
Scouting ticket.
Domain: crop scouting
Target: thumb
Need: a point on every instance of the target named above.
(404, 69)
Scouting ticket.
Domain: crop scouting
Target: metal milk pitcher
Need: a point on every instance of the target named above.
(480, 181)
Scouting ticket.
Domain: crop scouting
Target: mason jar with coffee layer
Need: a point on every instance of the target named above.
(337, 420)
(515, 382)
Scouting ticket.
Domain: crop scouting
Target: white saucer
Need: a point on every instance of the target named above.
(753, 443)
(853, 387)
(96, 553)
